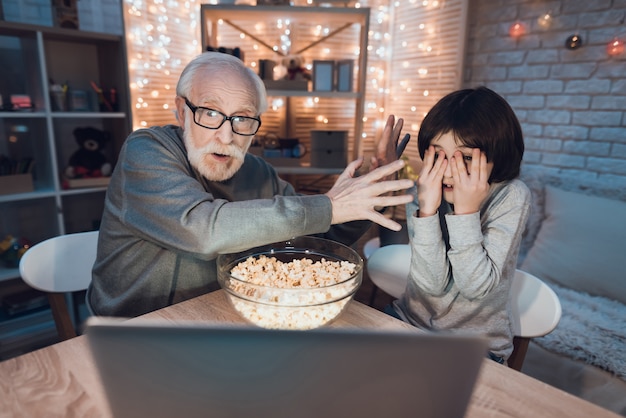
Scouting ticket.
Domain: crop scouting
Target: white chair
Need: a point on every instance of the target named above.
(57, 266)
(388, 268)
(536, 312)
(370, 246)
(536, 308)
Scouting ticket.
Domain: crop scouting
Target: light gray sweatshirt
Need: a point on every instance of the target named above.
(164, 224)
(462, 266)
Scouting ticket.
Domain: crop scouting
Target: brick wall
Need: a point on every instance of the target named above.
(571, 103)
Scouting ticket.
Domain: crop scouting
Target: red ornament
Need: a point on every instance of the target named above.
(615, 47)
(517, 29)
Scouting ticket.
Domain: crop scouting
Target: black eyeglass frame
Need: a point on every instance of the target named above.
(225, 118)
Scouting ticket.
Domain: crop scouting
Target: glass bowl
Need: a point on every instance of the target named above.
(302, 283)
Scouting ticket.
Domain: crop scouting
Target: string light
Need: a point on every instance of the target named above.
(545, 20)
(517, 29)
(574, 42)
(615, 47)
(154, 56)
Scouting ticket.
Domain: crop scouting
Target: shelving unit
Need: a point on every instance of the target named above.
(316, 33)
(32, 58)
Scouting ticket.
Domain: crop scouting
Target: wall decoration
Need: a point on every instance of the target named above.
(615, 47)
(545, 20)
(323, 75)
(345, 70)
(79, 100)
(66, 13)
(266, 69)
(517, 29)
(574, 42)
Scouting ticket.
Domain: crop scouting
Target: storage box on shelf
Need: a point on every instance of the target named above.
(16, 183)
(65, 74)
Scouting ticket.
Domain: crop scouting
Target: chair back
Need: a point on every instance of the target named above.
(536, 308)
(58, 266)
(371, 246)
(388, 268)
(536, 311)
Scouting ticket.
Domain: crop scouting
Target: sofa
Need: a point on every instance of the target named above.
(575, 241)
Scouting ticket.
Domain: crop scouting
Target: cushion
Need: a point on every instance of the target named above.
(581, 244)
(537, 193)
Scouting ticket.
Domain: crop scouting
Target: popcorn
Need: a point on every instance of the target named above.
(300, 294)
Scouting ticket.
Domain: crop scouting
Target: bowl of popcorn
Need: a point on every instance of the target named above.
(302, 283)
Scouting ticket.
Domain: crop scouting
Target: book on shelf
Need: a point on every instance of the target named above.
(86, 182)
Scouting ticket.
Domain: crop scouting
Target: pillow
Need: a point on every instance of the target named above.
(535, 217)
(581, 244)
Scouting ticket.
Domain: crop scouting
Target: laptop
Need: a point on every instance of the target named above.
(162, 369)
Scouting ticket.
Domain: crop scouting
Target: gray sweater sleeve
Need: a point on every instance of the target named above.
(159, 197)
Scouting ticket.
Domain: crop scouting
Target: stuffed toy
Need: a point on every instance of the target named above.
(12, 249)
(89, 161)
(295, 68)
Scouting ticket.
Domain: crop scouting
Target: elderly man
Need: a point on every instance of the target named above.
(181, 195)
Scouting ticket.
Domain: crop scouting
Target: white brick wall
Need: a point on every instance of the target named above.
(571, 103)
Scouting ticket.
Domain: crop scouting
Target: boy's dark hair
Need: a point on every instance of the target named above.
(478, 118)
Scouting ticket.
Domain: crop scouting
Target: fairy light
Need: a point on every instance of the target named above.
(615, 47)
(545, 20)
(154, 55)
(517, 29)
(277, 103)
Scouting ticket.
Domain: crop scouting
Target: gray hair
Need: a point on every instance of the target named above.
(216, 62)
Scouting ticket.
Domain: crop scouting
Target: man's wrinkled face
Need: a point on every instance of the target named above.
(217, 153)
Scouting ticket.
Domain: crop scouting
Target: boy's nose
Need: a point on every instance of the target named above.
(447, 173)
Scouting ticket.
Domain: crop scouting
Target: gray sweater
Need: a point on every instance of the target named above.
(164, 225)
(462, 266)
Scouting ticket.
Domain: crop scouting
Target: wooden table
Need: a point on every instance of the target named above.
(61, 380)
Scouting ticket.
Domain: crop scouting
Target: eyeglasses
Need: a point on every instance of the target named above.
(213, 119)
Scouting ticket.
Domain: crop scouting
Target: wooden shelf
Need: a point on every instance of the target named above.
(34, 56)
(344, 36)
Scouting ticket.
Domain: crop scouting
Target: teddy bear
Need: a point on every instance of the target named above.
(89, 161)
(295, 68)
